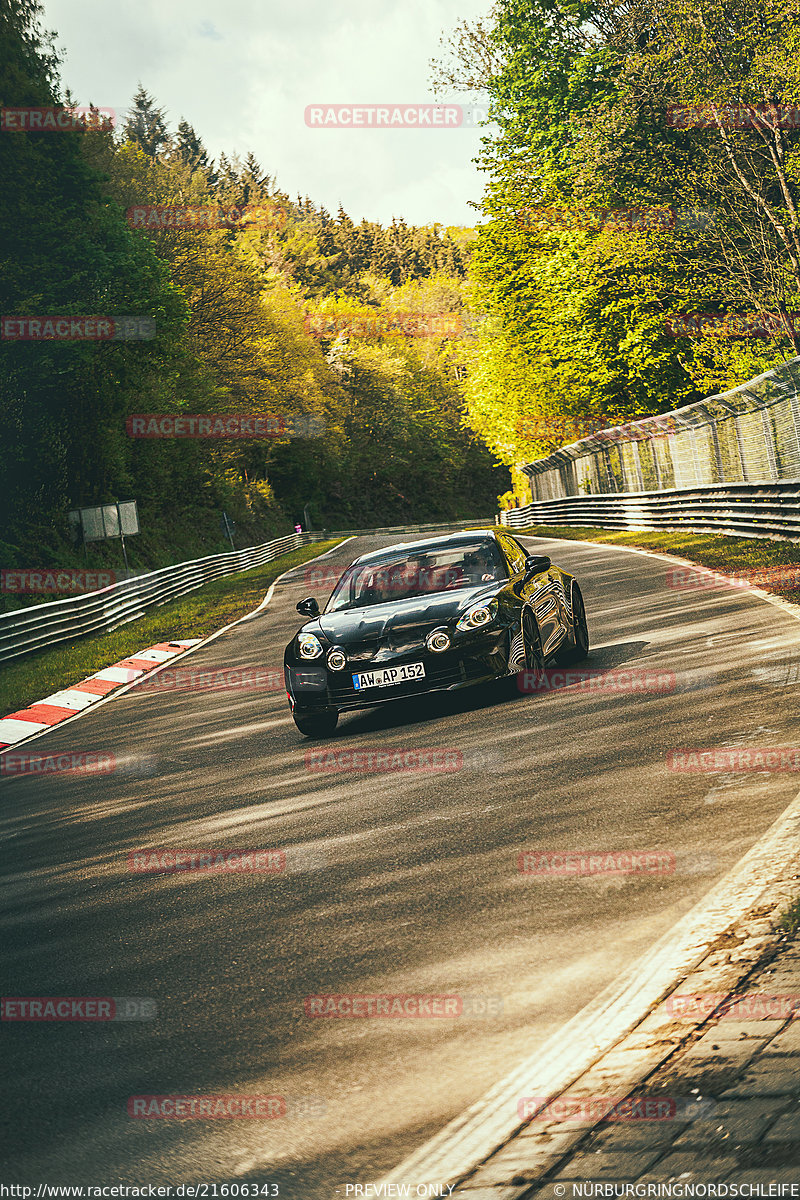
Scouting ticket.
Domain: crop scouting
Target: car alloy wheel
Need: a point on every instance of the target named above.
(532, 641)
(575, 648)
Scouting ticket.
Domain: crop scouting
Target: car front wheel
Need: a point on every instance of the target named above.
(529, 678)
(534, 654)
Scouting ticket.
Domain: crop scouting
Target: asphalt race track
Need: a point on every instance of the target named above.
(403, 882)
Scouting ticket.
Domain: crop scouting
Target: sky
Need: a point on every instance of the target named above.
(243, 73)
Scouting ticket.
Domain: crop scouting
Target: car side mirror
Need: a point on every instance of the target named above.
(535, 563)
(308, 607)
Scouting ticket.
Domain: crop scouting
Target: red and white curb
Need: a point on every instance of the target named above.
(56, 708)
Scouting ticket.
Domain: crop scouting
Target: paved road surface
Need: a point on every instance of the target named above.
(403, 883)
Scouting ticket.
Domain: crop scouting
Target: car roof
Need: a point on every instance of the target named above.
(466, 536)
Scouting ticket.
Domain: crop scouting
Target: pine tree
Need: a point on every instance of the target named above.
(257, 183)
(146, 124)
(190, 148)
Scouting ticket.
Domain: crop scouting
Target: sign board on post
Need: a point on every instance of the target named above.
(117, 520)
(92, 526)
(107, 520)
(228, 526)
(128, 517)
(110, 520)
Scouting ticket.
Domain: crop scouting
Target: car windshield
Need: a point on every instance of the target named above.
(401, 576)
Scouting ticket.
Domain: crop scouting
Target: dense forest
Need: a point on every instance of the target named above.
(645, 163)
(642, 163)
(257, 303)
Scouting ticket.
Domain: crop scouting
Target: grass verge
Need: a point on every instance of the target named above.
(195, 615)
(734, 556)
(790, 920)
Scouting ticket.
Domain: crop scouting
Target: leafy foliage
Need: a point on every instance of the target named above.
(230, 303)
(583, 92)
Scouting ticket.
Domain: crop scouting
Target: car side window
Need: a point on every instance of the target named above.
(513, 552)
(519, 547)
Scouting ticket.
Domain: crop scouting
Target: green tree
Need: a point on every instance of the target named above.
(146, 124)
(580, 91)
(66, 251)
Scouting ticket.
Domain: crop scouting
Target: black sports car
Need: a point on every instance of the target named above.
(431, 616)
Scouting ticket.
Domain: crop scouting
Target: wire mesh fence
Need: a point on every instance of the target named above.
(750, 434)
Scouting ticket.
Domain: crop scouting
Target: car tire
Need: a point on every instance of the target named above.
(520, 682)
(532, 641)
(576, 648)
(316, 725)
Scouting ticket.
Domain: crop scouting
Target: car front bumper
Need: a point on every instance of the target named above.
(479, 658)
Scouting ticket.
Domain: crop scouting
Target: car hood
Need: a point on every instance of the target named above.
(400, 618)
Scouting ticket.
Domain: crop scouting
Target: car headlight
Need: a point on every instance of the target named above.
(438, 640)
(337, 659)
(480, 614)
(308, 645)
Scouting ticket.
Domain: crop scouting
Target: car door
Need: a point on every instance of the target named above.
(559, 591)
(543, 591)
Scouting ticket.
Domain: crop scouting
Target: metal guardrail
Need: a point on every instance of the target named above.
(39, 625)
(475, 521)
(770, 510)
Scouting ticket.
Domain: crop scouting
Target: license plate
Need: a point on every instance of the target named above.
(388, 676)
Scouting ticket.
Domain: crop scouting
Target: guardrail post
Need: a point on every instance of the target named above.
(610, 479)
(795, 410)
(717, 451)
(740, 444)
(769, 442)
(637, 462)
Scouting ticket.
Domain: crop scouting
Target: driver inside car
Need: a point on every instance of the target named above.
(480, 567)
